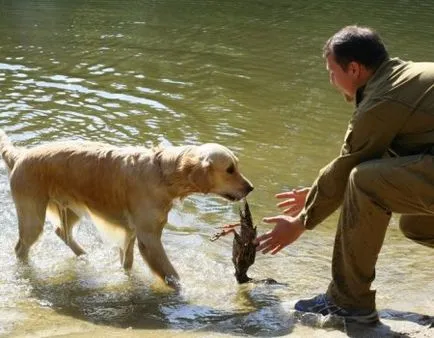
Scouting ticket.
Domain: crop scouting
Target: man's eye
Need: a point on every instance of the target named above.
(230, 170)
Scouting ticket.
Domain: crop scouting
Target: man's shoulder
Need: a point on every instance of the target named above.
(392, 68)
(411, 69)
(395, 79)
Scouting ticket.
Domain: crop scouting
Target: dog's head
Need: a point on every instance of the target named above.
(215, 170)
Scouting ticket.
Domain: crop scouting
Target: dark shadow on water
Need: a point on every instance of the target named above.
(134, 304)
(379, 330)
(417, 318)
(267, 318)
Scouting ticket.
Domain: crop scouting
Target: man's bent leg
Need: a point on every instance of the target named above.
(375, 189)
(419, 228)
(359, 237)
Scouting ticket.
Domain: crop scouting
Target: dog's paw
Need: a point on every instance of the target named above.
(173, 282)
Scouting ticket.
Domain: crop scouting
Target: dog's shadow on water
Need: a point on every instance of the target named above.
(137, 305)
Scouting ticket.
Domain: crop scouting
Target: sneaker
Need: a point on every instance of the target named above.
(321, 304)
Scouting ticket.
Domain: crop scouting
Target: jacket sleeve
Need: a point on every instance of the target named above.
(369, 135)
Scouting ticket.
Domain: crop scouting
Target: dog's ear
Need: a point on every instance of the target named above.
(199, 176)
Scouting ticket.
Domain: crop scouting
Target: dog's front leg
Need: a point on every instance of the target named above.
(152, 251)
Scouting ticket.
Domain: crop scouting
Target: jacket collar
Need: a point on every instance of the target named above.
(384, 68)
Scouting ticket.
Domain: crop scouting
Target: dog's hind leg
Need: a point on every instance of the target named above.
(127, 252)
(68, 219)
(31, 218)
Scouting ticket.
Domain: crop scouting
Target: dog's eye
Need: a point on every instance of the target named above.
(231, 169)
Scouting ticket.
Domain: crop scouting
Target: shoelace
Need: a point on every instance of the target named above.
(324, 307)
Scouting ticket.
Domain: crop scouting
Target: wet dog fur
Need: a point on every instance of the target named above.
(126, 189)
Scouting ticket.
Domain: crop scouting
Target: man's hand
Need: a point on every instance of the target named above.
(295, 201)
(286, 231)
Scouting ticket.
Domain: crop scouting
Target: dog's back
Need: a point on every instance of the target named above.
(96, 175)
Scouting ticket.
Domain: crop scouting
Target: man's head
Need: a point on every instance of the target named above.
(353, 54)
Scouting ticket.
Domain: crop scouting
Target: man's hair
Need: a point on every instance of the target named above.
(359, 44)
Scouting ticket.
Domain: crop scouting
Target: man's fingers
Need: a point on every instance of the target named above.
(263, 245)
(287, 210)
(270, 245)
(277, 249)
(262, 238)
(285, 194)
(265, 251)
(270, 219)
(285, 203)
(268, 248)
(301, 191)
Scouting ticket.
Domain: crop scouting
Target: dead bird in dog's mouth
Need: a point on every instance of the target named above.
(243, 248)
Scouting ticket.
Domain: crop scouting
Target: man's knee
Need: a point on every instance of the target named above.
(416, 226)
(419, 228)
(363, 175)
(405, 225)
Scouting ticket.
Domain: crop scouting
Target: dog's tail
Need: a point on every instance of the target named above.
(8, 151)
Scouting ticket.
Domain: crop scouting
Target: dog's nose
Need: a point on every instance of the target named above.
(250, 188)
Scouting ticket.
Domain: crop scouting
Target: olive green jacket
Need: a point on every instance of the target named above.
(394, 115)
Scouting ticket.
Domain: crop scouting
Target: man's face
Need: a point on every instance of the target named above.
(344, 81)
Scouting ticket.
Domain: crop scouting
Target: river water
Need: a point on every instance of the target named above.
(247, 74)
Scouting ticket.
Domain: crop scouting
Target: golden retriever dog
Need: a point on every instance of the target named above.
(127, 190)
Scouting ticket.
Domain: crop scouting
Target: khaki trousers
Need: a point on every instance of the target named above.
(375, 190)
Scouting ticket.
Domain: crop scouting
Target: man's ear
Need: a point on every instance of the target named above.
(354, 69)
(200, 176)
